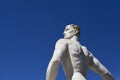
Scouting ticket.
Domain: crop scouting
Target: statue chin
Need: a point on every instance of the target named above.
(65, 37)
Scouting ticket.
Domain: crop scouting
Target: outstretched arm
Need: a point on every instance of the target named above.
(99, 68)
(52, 70)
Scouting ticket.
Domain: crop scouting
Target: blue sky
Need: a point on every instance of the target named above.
(29, 30)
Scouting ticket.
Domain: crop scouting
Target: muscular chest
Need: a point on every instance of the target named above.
(73, 48)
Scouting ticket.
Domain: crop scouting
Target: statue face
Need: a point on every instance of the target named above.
(69, 32)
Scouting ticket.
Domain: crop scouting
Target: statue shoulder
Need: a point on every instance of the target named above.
(84, 48)
(62, 42)
(86, 51)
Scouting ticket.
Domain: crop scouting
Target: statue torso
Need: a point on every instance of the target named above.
(75, 59)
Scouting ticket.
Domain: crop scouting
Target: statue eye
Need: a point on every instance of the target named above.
(66, 29)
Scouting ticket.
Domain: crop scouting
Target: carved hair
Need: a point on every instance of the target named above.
(76, 27)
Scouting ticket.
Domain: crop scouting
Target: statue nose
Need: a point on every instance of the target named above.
(64, 33)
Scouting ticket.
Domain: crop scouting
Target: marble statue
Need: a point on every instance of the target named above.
(75, 58)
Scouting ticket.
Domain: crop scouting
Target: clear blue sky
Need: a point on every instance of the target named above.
(29, 30)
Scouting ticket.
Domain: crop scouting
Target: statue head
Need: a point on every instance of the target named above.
(71, 30)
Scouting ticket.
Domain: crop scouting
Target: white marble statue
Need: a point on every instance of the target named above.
(75, 58)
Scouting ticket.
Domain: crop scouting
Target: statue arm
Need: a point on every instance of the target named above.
(99, 68)
(53, 66)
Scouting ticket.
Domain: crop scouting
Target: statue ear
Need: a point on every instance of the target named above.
(76, 32)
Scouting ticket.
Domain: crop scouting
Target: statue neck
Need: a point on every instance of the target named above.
(75, 38)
